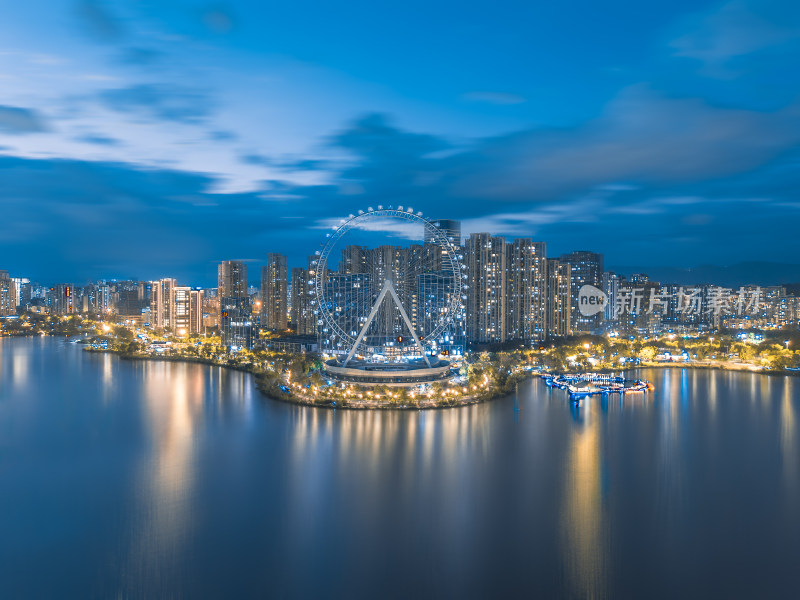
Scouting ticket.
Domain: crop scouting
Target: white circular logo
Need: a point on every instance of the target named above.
(591, 300)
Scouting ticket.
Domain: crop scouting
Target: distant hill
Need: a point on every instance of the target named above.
(756, 273)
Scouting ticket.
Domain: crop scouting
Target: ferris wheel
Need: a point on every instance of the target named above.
(380, 300)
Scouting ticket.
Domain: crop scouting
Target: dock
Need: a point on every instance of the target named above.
(596, 384)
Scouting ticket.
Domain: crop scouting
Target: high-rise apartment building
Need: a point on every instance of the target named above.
(186, 307)
(235, 307)
(433, 280)
(303, 317)
(485, 258)
(611, 283)
(236, 322)
(127, 302)
(103, 299)
(786, 312)
(232, 279)
(210, 308)
(586, 269)
(355, 259)
(671, 292)
(162, 299)
(274, 293)
(181, 309)
(559, 304)
(84, 298)
(62, 299)
(641, 306)
(196, 311)
(451, 228)
(22, 286)
(390, 262)
(297, 287)
(8, 295)
(526, 290)
(174, 307)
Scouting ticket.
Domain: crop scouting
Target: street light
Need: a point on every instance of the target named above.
(787, 343)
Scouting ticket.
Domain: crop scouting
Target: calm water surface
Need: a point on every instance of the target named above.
(147, 479)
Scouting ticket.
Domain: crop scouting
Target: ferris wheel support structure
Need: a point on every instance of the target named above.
(387, 287)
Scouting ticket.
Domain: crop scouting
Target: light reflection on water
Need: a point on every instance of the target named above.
(791, 453)
(159, 479)
(582, 520)
(173, 397)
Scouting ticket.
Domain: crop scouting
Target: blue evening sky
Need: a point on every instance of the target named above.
(144, 138)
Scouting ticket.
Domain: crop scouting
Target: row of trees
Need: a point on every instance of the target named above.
(779, 350)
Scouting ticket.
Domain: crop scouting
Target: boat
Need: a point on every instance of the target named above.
(590, 384)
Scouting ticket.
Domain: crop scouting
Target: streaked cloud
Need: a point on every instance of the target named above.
(97, 139)
(642, 136)
(160, 101)
(97, 19)
(735, 29)
(16, 120)
(142, 57)
(222, 136)
(255, 159)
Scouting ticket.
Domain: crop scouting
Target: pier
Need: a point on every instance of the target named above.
(594, 384)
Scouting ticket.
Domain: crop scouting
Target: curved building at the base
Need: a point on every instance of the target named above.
(404, 374)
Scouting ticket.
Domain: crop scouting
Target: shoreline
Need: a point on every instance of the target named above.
(739, 368)
(265, 384)
(268, 386)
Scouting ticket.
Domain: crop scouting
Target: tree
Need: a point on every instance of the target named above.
(403, 396)
(316, 379)
(133, 347)
(296, 369)
(647, 353)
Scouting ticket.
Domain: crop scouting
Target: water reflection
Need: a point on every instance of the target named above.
(190, 484)
(173, 410)
(582, 518)
(108, 376)
(789, 449)
(20, 369)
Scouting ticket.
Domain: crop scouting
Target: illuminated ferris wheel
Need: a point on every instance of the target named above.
(380, 301)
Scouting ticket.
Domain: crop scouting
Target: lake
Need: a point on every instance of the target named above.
(138, 479)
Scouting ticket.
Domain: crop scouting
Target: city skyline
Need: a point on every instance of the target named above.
(764, 273)
(513, 292)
